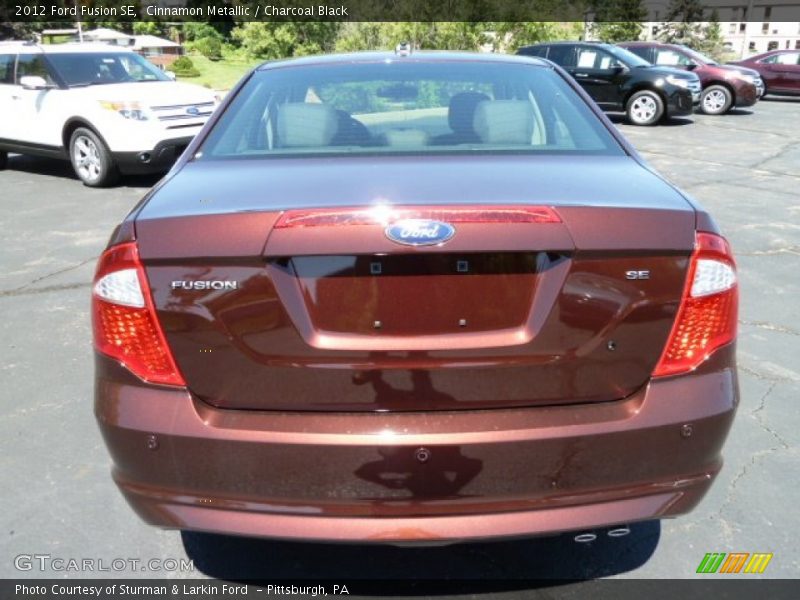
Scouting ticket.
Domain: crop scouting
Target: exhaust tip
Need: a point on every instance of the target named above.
(585, 538)
(619, 531)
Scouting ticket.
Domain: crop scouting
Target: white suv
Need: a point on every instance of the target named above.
(105, 108)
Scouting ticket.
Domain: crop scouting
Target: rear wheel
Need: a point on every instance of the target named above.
(3, 159)
(91, 159)
(645, 108)
(716, 100)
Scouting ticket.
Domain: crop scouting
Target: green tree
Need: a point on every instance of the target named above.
(184, 67)
(362, 36)
(149, 28)
(683, 23)
(712, 42)
(509, 36)
(618, 20)
(196, 30)
(210, 47)
(272, 40)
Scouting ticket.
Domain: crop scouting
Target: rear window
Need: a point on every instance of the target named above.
(406, 107)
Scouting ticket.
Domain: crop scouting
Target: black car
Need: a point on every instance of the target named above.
(619, 80)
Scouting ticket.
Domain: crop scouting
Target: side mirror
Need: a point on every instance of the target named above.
(691, 66)
(33, 82)
(171, 75)
(619, 69)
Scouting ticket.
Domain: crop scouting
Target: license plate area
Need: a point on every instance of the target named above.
(418, 294)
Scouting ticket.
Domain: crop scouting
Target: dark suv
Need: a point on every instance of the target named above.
(724, 87)
(619, 80)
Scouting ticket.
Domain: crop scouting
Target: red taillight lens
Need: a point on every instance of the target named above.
(384, 214)
(124, 319)
(707, 317)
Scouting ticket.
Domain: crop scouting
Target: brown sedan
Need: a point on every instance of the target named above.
(407, 297)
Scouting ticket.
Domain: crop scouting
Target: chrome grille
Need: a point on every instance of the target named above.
(199, 111)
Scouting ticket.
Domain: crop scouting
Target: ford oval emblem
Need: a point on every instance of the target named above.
(193, 110)
(420, 232)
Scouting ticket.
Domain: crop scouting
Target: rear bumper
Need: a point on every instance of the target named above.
(152, 160)
(354, 477)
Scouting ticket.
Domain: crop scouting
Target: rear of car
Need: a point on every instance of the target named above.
(403, 298)
(619, 80)
(105, 108)
(724, 87)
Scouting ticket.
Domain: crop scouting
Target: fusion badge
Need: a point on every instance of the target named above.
(213, 284)
(420, 232)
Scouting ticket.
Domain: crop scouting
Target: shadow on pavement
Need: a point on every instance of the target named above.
(789, 99)
(61, 168)
(738, 112)
(488, 566)
(621, 119)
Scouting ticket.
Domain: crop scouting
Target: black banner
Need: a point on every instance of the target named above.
(732, 588)
(395, 10)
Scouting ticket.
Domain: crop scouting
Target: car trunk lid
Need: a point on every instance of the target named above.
(338, 317)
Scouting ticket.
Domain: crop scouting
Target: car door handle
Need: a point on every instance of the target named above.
(15, 96)
(581, 74)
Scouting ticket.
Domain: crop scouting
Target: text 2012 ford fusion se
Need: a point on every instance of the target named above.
(405, 297)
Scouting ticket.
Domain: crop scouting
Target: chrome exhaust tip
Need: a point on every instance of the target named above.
(619, 531)
(585, 538)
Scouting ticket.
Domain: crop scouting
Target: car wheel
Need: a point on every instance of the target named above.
(91, 159)
(645, 108)
(3, 159)
(716, 100)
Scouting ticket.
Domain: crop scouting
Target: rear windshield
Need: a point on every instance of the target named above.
(415, 107)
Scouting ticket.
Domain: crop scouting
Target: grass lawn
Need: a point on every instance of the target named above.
(220, 74)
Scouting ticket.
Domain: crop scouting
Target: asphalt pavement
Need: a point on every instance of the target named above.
(58, 499)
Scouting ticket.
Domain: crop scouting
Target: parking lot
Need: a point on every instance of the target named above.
(58, 498)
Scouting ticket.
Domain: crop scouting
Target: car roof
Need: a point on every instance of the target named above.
(421, 56)
(66, 48)
(567, 43)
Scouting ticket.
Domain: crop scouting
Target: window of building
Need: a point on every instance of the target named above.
(751, 46)
(765, 28)
(773, 45)
(742, 27)
(797, 44)
(732, 28)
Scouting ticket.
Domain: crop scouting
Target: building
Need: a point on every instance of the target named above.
(157, 50)
(748, 26)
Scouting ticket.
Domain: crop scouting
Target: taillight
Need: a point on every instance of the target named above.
(707, 316)
(124, 319)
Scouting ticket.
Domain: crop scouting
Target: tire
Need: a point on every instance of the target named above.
(645, 108)
(91, 159)
(716, 100)
(3, 159)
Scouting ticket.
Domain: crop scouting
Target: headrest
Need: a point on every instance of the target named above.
(504, 122)
(302, 124)
(461, 112)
